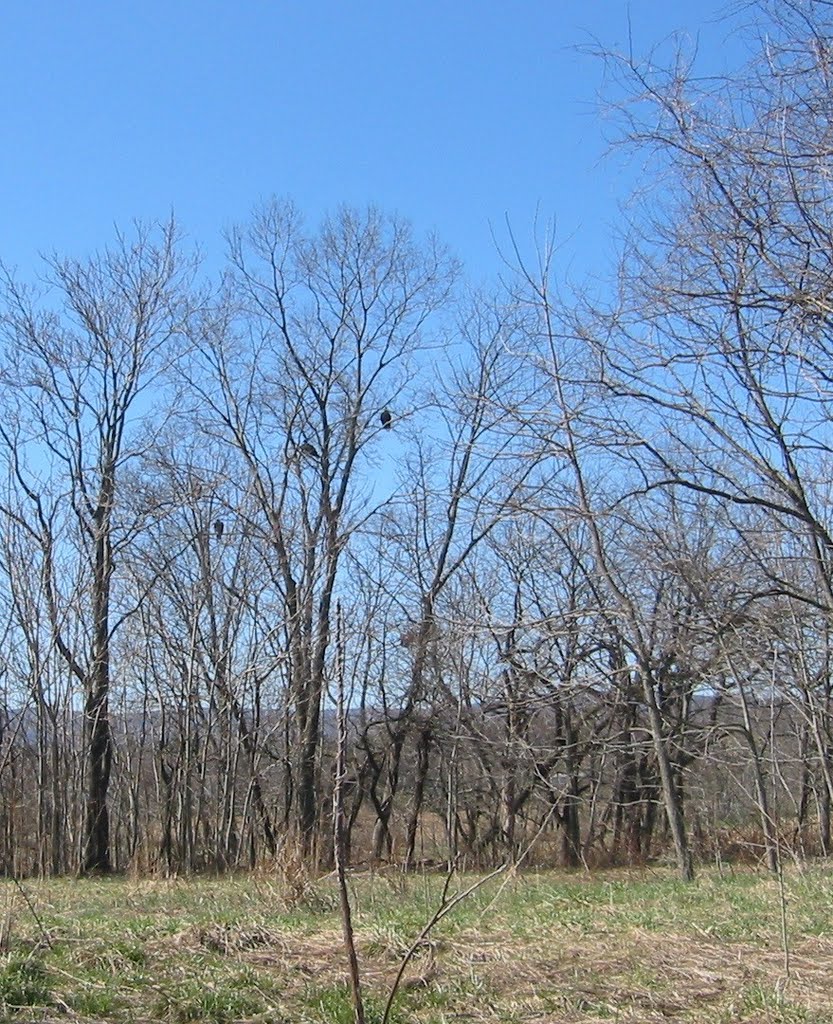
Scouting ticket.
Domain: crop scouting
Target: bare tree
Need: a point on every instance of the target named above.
(332, 321)
(76, 416)
(718, 349)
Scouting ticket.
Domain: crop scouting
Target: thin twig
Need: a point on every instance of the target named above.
(338, 832)
(785, 935)
(445, 907)
(34, 913)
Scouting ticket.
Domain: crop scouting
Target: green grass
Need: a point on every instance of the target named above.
(223, 1001)
(334, 1005)
(635, 947)
(24, 982)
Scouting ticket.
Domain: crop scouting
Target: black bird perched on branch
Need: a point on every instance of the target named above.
(386, 419)
(309, 450)
(219, 526)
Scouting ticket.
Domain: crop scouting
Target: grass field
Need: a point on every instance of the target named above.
(628, 947)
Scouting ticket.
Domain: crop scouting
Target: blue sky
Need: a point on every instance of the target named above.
(452, 113)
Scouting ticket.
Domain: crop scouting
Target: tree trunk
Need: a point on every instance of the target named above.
(422, 751)
(670, 791)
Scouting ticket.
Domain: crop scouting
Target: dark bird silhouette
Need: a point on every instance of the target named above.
(219, 526)
(309, 450)
(386, 419)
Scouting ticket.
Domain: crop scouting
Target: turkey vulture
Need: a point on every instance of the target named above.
(218, 529)
(386, 419)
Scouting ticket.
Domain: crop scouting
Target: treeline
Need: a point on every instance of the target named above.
(570, 559)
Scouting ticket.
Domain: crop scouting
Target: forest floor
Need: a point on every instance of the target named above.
(635, 947)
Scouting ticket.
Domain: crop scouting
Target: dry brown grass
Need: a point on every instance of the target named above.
(634, 948)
